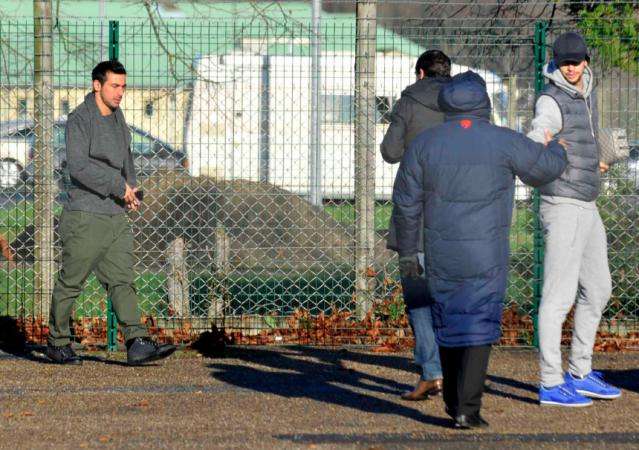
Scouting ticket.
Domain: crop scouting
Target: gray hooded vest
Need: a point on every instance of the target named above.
(579, 113)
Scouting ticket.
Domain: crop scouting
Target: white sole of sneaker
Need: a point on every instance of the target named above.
(577, 405)
(598, 396)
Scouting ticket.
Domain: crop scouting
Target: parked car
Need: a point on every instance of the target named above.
(11, 173)
(14, 152)
(149, 153)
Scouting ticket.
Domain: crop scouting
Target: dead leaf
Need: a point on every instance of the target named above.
(385, 349)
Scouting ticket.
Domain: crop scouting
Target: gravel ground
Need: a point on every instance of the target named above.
(293, 397)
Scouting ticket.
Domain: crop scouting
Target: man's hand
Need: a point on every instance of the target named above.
(132, 206)
(603, 167)
(547, 137)
(561, 141)
(130, 199)
(409, 267)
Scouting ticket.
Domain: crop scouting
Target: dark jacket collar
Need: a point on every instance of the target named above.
(425, 91)
(480, 115)
(90, 102)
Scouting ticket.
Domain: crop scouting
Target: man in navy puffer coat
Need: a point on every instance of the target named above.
(460, 175)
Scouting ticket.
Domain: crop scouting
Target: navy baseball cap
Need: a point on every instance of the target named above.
(570, 47)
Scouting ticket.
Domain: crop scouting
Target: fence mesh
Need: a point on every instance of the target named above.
(220, 113)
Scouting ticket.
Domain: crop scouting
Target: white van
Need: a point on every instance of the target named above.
(250, 118)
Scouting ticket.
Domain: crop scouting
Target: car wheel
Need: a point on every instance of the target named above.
(10, 173)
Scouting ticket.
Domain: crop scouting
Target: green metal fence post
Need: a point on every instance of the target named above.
(114, 39)
(541, 29)
(112, 324)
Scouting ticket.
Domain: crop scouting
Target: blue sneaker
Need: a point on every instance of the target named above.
(593, 386)
(562, 395)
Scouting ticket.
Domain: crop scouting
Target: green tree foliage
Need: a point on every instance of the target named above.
(612, 30)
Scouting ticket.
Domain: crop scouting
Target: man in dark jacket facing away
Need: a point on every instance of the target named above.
(416, 111)
(460, 177)
(95, 231)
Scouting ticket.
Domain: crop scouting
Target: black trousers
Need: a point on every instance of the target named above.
(464, 370)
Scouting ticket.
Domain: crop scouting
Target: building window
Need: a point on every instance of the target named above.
(148, 109)
(338, 108)
(383, 105)
(22, 107)
(64, 107)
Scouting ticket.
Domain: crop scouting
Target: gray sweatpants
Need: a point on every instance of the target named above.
(575, 265)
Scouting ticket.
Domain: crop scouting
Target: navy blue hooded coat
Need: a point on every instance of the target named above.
(460, 175)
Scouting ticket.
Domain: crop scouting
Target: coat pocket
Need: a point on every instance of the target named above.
(72, 224)
(560, 224)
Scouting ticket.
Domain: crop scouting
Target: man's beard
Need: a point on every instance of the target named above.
(110, 106)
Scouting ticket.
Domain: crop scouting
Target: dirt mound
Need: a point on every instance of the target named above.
(243, 224)
(250, 225)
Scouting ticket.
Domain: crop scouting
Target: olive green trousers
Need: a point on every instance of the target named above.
(102, 244)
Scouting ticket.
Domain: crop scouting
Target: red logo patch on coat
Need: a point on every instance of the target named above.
(466, 123)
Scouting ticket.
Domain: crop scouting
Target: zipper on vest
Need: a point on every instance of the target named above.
(592, 128)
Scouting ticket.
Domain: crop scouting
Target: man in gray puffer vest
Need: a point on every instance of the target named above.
(416, 111)
(576, 260)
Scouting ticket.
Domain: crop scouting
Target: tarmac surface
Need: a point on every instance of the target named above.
(293, 397)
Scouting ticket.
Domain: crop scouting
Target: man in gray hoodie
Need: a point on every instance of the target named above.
(94, 228)
(416, 111)
(576, 260)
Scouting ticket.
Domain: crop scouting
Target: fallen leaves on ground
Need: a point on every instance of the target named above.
(385, 328)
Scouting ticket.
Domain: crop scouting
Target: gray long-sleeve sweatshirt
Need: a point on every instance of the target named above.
(99, 159)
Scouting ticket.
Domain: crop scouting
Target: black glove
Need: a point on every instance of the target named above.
(409, 267)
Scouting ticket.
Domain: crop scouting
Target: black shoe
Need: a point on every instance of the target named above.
(143, 350)
(63, 355)
(466, 422)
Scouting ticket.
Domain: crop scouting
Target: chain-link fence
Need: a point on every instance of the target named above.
(240, 123)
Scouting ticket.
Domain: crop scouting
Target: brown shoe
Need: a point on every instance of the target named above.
(423, 390)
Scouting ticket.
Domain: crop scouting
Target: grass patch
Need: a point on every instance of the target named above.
(16, 294)
(345, 213)
(521, 233)
(265, 295)
(522, 229)
(14, 219)
(245, 295)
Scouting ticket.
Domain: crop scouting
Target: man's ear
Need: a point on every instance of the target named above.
(97, 86)
(421, 74)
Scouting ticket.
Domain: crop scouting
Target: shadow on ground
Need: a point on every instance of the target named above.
(12, 338)
(325, 376)
(325, 379)
(627, 379)
(459, 439)
(497, 383)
